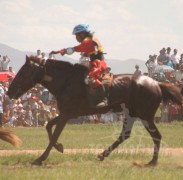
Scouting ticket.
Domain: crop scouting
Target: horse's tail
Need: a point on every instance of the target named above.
(8, 136)
(171, 93)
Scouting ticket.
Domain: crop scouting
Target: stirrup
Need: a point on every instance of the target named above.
(102, 104)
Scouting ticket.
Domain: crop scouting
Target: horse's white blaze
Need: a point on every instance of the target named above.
(142, 80)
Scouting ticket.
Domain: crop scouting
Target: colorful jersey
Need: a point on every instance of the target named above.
(89, 46)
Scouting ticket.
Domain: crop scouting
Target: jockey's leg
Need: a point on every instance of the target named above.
(96, 94)
(97, 67)
(101, 93)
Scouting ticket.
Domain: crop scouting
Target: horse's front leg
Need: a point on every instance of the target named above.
(58, 146)
(58, 129)
(125, 134)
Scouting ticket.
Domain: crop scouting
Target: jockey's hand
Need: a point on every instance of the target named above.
(62, 52)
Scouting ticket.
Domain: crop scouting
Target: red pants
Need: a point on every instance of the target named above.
(96, 68)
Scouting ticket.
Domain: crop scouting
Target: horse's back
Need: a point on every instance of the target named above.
(136, 88)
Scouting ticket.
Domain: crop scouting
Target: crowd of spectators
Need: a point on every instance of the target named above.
(168, 113)
(35, 108)
(173, 62)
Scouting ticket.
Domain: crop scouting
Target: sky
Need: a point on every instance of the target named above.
(126, 28)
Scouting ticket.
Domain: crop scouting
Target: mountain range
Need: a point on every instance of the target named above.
(17, 58)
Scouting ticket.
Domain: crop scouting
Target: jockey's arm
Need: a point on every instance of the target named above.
(86, 46)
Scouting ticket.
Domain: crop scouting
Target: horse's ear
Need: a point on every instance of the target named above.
(27, 59)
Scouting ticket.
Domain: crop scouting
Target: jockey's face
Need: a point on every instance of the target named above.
(80, 36)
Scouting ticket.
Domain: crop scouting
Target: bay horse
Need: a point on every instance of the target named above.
(137, 96)
(10, 137)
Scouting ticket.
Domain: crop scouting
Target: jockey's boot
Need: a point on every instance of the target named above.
(102, 97)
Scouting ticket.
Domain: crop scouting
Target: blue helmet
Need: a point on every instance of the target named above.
(81, 28)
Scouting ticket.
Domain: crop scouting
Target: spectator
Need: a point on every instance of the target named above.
(178, 75)
(173, 111)
(28, 115)
(155, 59)
(25, 97)
(169, 62)
(5, 86)
(175, 59)
(148, 61)
(12, 118)
(181, 60)
(35, 114)
(162, 57)
(5, 63)
(20, 121)
(137, 71)
(168, 50)
(53, 113)
(44, 57)
(6, 114)
(41, 105)
(48, 116)
(45, 95)
(164, 113)
(34, 104)
(1, 110)
(2, 90)
(151, 65)
(13, 104)
(11, 69)
(39, 53)
(42, 117)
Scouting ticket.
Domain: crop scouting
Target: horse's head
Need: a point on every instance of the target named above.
(26, 78)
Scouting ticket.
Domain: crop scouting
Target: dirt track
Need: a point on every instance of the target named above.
(163, 151)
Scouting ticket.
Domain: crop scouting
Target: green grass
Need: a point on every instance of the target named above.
(99, 136)
(84, 166)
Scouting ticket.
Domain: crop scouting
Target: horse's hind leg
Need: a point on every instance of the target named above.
(156, 136)
(125, 134)
(58, 146)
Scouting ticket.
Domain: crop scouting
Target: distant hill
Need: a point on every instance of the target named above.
(118, 66)
(126, 66)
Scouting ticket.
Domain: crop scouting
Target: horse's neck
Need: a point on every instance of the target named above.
(55, 80)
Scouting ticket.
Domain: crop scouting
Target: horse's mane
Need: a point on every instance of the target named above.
(60, 65)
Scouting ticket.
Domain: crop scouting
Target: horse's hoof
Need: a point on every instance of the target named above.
(36, 163)
(100, 157)
(59, 147)
(151, 163)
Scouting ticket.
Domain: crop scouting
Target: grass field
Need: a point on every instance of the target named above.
(84, 166)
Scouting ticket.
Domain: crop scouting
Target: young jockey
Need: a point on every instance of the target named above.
(92, 48)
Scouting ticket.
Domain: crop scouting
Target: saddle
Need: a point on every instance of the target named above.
(106, 79)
